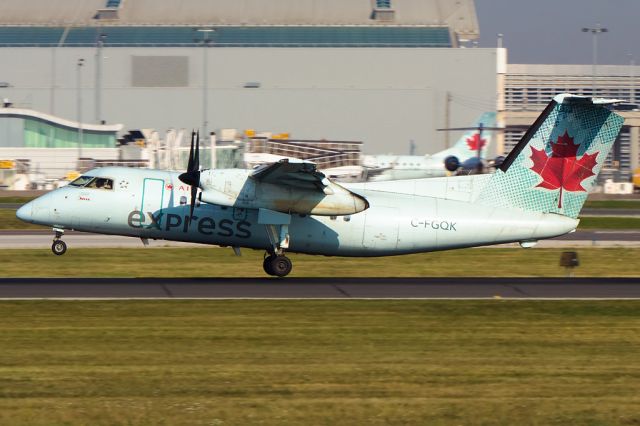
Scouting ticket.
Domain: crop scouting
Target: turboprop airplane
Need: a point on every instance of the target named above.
(465, 155)
(536, 193)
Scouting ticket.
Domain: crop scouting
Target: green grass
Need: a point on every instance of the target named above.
(603, 222)
(218, 262)
(8, 220)
(320, 363)
(14, 200)
(613, 204)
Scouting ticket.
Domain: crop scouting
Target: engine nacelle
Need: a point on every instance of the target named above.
(497, 162)
(234, 188)
(451, 163)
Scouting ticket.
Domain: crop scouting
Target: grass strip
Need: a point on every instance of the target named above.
(14, 200)
(219, 262)
(8, 220)
(613, 204)
(320, 362)
(604, 222)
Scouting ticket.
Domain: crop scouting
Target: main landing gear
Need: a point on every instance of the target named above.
(277, 265)
(58, 247)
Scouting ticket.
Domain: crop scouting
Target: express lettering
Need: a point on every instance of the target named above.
(443, 225)
(202, 225)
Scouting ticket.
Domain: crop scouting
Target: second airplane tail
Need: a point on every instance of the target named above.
(467, 146)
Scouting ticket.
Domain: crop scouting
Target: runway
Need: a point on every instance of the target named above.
(320, 288)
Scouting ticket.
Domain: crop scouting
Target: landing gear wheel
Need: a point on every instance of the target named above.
(266, 264)
(280, 266)
(59, 247)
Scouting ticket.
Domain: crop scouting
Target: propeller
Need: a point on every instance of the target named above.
(192, 175)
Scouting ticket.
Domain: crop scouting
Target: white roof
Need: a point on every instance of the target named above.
(460, 15)
(29, 113)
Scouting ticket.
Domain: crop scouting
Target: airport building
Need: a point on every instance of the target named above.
(385, 72)
(527, 89)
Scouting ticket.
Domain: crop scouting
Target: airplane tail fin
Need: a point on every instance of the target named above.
(557, 161)
(467, 146)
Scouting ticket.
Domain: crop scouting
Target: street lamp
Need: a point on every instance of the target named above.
(595, 31)
(98, 89)
(206, 42)
(79, 66)
(632, 78)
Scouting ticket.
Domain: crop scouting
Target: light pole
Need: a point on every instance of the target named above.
(594, 31)
(206, 41)
(79, 94)
(98, 88)
(632, 78)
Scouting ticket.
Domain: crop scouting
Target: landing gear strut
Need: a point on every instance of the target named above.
(58, 247)
(277, 227)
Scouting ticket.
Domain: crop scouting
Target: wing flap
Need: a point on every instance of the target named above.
(296, 174)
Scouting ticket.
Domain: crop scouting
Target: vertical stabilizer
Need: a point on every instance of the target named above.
(557, 161)
(467, 146)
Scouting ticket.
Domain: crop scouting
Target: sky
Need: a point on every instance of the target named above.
(549, 31)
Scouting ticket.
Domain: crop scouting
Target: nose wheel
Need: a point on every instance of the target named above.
(58, 247)
(277, 265)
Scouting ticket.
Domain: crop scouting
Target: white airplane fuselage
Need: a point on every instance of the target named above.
(402, 167)
(418, 216)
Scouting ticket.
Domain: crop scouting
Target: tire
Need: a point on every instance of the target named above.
(266, 264)
(280, 266)
(59, 247)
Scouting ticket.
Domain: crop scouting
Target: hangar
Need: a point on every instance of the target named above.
(385, 72)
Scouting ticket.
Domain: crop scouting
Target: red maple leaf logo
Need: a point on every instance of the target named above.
(562, 170)
(476, 143)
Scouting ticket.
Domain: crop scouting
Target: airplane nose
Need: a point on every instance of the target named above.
(24, 213)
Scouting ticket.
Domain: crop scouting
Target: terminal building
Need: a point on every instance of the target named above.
(384, 72)
(529, 87)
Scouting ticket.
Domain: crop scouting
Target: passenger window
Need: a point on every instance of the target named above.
(101, 183)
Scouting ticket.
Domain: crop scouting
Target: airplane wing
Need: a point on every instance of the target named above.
(293, 173)
(375, 171)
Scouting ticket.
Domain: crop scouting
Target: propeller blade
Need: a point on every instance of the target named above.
(190, 164)
(194, 193)
(197, 155)
(192, 176)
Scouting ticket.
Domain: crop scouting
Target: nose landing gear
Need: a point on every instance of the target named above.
(58, 247)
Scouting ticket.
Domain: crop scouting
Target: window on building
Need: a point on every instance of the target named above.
(383, 4)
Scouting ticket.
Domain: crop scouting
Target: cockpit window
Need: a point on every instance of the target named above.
(81, 181)
(100, 183)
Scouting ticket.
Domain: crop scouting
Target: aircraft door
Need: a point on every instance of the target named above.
(152, 200)
(381, 228)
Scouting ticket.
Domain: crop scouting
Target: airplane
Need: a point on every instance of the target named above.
(465, 155)
(289, 206)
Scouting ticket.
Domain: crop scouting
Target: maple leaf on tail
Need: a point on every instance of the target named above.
(476, 143)
(563, 170)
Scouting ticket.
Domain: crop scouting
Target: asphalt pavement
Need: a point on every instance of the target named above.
(320, 288)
